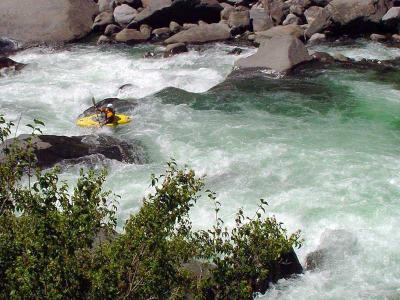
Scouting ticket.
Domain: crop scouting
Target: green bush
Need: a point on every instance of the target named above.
(47, 233)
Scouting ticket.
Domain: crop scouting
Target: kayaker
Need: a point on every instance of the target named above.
(109, 114)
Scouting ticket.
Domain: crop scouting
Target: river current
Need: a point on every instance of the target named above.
(322, 149)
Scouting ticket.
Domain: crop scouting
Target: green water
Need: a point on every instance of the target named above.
(322, 148)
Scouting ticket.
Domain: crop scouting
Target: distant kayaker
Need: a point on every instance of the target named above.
(109, 114)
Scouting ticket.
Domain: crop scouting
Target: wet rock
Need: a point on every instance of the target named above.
(8, 63)
(334, 246)
(148, 54)
(162, 33)
(103, 39)
(278, 53)
(174, 27)
(112, 29)
(323, 57)
(279, 31)
(340, 57)
(160, 13)
(235, 51)
(51, 149)
(124, 14)
(133, 3)
(378, 37)
(174, 49)
(8, 46)
(291, 19)
(45, 21)
(102, 20)
(131, 36)
(260, 19)
(201, 34)
(392, 15)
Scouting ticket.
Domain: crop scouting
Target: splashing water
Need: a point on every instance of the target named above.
(322, 149)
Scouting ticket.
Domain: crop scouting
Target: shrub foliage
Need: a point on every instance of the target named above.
(48, 229)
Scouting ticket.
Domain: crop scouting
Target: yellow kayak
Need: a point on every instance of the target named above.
(97, 121)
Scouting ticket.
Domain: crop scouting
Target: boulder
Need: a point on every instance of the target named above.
(187, 26)
(51, 149)
(321, 21)
(280, 54)
(317, 37)
(276, 9)
(378, 37)
(160, 13)
(239, 19)
(174, 27)
(344, 12)
(161, 33)
(103, 39)
(291, 19)
(124, 14)
(106, 5)
(392, 14)
(312, 13)
(46, 20)
(112, 29)
(278, 31)
(323, 57)
(396, 38)
(102, 20)
(173, 49)
(227, 10)
(8, 46)
(131, 36)
(260, 20)
(201, 34)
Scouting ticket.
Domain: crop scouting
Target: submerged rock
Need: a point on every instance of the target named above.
(51, 149)
(174, 49)
(279, 54)
(46, 20)
(7, 64)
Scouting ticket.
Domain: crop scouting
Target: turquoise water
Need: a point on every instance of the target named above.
(323, 148)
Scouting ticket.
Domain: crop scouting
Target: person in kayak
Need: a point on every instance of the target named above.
(109, 114)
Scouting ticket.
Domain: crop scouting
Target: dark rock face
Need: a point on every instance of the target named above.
(120, 106)
(161, 12)
(46, 20)
(279, 54)
(8, 46)
(51, 149)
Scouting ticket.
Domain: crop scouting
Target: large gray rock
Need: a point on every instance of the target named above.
(124, 14)
(51, 150)
(46, 20)
(201, 34)
(260, 19)
(291, 19)
(239, 19)
(320, 21)
(312, 13)
(279, 54)
(159, 13)
(278, 31)
(392, 14)
(105, 5)
(343, 12)
(131, 36)
(226, 12)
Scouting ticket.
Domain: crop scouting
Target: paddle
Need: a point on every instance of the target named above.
(97, 114)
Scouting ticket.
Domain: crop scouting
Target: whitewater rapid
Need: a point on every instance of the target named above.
(322, 150)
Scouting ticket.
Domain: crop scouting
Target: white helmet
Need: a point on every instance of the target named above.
(109, 105)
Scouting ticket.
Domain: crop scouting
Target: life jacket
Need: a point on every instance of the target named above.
(109, 113)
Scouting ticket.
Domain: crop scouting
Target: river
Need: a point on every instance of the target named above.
(323, 149)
